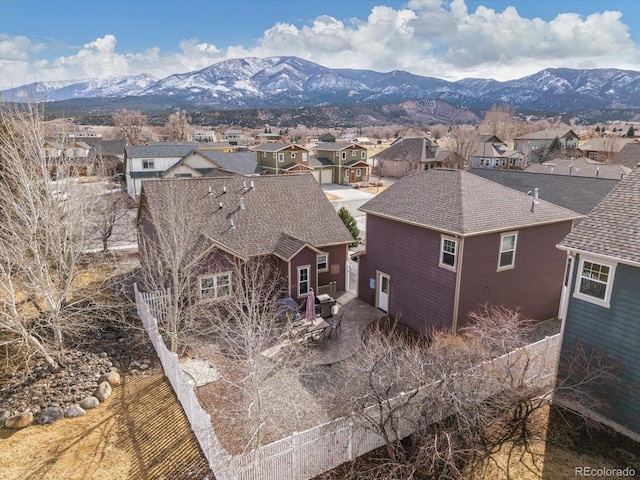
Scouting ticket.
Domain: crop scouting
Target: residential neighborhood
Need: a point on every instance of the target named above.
(334, 240)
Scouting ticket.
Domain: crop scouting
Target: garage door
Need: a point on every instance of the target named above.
(327, 175)
(316, 175)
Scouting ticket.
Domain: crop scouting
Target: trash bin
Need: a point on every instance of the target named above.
(326, 304)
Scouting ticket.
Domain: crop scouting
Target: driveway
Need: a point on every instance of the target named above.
(350, 198)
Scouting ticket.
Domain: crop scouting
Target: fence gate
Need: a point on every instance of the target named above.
(352, 277)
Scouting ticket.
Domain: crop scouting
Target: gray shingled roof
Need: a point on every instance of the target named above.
(239, 162)
(548, 134)
(459, 202)
(156, 150)
(629, 156)
(613, 227)
(414, 149)
(335, 146)
(580, 194)
(290, 205)
(274, 146)
(579, 167)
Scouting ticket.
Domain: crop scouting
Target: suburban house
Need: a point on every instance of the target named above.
(580, 194)
(278, 158)
(349, 161)
(579, 167)
(602, 149)
(601, 303)
(183, 160)
(406, 155)
(536, 145)
(491, 152)
(284, 218)
(443, 242)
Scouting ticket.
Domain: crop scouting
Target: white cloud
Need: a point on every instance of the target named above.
(428, 37)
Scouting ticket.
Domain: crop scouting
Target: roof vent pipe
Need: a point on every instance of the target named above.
(241, 203)
(534, 198)
(210, 192)
(232, 226)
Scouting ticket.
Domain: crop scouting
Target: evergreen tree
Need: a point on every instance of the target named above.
(631, 132)
(598, 129)
(351, 224)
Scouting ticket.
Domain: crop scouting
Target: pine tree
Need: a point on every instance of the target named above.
(351, 224)
(598, 129)
(631, 132)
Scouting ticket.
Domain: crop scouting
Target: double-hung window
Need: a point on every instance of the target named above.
(281, 157)
(594, 281)
(363, 154)
(215, 286)
(323, 262)
(448, 251)
(148, 164)
(507, 257)
(303, 280)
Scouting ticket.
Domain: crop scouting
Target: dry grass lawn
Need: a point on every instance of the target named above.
(140, 432)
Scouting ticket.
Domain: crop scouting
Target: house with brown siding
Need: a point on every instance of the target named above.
(406, 155)
(441, 243)
(285, 219)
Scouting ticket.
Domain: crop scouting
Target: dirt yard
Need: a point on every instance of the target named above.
(140, 432)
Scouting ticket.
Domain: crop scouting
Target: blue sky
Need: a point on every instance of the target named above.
(70, 39)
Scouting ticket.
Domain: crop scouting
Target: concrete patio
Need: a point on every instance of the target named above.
(356, 316)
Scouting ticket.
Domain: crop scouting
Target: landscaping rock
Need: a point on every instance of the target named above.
(49, 415)
(89, 402)
(20, 420)
(103, 391)
(75, 411)
(112, 377)
(144, 366)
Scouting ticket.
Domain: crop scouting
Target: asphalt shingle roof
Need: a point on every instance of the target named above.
(274, 146)
(335, 146)
(629, 156)
(579, 167)
(239, 162)
(613, 227)
(459, 202)
(156, 150)
(291, 205)
(548, 134)
(580, 194)
(415, 149)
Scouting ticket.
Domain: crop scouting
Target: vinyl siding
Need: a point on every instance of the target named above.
(616, 332)
(534, 284)
(421, 292)
(337, 261)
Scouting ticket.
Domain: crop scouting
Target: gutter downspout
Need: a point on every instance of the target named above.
(456, 297)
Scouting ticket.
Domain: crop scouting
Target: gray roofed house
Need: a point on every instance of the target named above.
(579, 194)
(349, 162)
(182, 160)
(406, 155)
(535, 145)
(601, 302)
(442, 242)
(286, 217)
(581, 166)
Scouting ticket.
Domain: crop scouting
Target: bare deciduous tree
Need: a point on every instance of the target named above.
(461, 143)
(178, 126)
(499, 122)
(42, 238)
(109, 220)
(131, 124)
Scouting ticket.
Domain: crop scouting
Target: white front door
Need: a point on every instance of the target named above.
(383, 291)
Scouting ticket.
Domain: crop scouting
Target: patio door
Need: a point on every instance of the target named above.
(382, 297)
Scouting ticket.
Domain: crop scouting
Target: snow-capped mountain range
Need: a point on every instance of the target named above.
(286, 82)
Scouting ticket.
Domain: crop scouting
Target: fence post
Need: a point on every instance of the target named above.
(351, 450)
(295, 451)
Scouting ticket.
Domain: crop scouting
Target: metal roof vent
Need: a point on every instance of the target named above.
(242, 206)
(210, 192)
(232, 226)
(534, 198)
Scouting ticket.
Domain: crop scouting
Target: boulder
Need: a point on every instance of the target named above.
(75, 411)
(89, 403)
(3, 414)
(49, 415)
(20, 420)
(112, 377)
(103, 391)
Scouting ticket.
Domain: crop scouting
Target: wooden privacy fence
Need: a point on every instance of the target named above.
(306, 454)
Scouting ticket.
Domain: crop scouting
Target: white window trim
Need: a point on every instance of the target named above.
(455, 253)
(353, 153)
(358, 172)
(148, 161)
(344, 155)
(293, 154)
(215, 286)
(608, 288)
(308, 268)
(363, 155)
(281, 158)
(500, 252)
(326, 262)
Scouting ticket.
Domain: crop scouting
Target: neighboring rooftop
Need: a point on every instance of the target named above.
(459, 202)
(548, 134)
(629, 156)
(280, 211)
(162, 149)
(413, 149)
(239, 162)
(274, 146)
(579, 167)
(612, 229)
(335, 146)
(580, 194)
